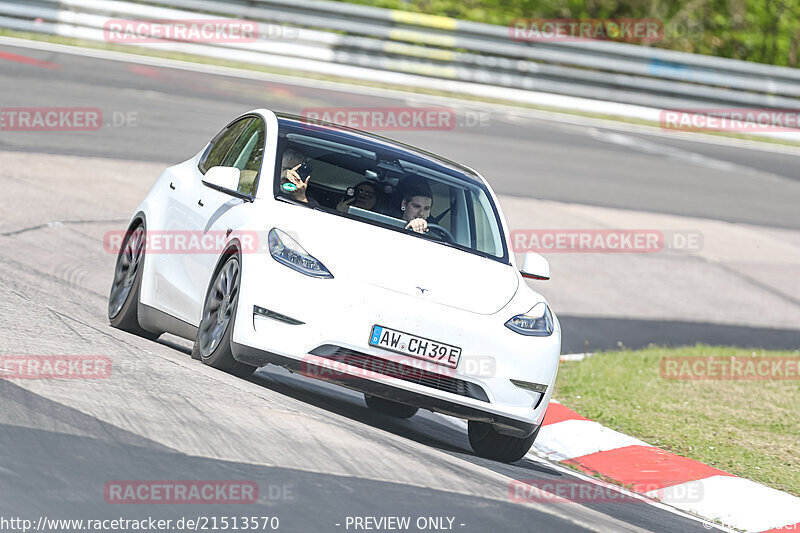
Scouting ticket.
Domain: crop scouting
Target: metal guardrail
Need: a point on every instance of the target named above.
(352, 40)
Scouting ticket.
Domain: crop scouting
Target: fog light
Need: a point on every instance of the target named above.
(266, 313)
(535, 387)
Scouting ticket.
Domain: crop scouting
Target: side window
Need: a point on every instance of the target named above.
(221, 144)
(246, 155)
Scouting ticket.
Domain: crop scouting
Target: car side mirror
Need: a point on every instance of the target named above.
(223, 179)
(535, 266)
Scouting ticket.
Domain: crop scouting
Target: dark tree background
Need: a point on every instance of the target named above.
(765, 31)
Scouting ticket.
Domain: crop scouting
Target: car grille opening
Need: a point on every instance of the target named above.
(398, 370)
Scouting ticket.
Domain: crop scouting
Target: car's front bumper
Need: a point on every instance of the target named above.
(324, 312)
(384, 389)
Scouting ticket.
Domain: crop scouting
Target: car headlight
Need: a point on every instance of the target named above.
(287, 251)
(537, 322)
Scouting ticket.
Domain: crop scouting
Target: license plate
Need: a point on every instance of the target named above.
(419, 347)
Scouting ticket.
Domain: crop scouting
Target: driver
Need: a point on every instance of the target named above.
(416, 202)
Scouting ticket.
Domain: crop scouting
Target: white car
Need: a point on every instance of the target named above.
(350, 258)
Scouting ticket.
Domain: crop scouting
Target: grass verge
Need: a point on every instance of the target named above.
(749, 428)
(149, 52)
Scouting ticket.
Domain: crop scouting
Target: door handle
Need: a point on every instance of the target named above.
(171, 186)
(200, 202)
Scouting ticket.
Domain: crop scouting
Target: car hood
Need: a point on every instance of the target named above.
(358, 252)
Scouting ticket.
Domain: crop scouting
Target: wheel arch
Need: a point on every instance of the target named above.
(233, 247)
(138, 218)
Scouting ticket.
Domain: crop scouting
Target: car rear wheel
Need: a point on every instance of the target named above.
(388, 407)
(487, 442)
(123, 301)
(213, 342)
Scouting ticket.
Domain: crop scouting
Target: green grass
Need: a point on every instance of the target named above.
(747, 428)
(310, 75)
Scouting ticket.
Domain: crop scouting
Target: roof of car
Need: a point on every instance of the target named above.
(376, 143)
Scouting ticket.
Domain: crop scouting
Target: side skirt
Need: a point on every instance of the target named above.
(157, 321)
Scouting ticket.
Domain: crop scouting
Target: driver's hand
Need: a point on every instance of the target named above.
(418, 224)
(294, 177)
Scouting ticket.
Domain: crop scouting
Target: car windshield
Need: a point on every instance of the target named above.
(388, 185)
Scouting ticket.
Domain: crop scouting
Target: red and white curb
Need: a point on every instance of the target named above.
(574, 356)
(683, 483)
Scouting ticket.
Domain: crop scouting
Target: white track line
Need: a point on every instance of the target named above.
(513, 113)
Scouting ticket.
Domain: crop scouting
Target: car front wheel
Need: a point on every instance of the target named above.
(487, 442)
(213, 342)
(123, 300)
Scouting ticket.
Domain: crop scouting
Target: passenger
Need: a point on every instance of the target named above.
(416, 201)
(291, 161)
(365, 197)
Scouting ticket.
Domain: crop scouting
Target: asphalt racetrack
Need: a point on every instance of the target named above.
(316, 452)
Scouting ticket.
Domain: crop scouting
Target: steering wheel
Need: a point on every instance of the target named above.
(440, 232)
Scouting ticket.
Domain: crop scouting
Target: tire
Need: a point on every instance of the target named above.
(123, 300)
(213, 342)
(487, 442)
(388, 407)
